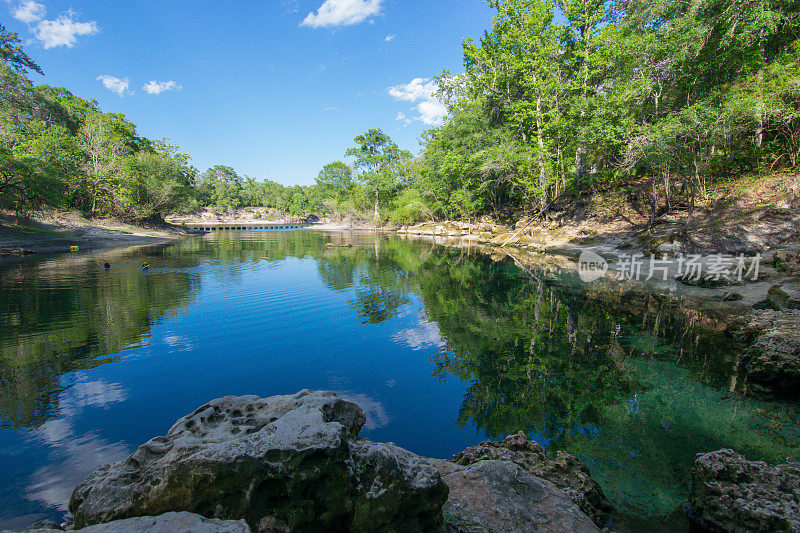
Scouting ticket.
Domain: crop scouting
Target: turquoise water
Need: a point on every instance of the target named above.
(442, 348)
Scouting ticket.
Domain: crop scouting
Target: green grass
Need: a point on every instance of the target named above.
(30, 231)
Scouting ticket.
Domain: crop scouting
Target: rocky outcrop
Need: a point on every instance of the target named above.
(565, 471)
(787, 261)
(482, 231)
(165, 523)
(501, 496)
(296, 463)
(772, 358)
(785, 296)
(280, 463)
(730, 493)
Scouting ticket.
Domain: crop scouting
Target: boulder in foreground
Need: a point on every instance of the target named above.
(501, 496)
(566, 471)
(730, 493)
(280, 463)
(165, 523)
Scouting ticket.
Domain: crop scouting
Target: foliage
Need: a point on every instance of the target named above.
(27, 184)
(555, 96)
(11, 53)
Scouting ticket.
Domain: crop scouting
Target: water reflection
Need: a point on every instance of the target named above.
(633, 382)
(72, 455)
(62, 316)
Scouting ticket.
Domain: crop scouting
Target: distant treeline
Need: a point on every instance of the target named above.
(575, 96)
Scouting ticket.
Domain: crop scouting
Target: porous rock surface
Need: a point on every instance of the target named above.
(501, 496)
(772, 358)
(280, 463)
(730, 493)
(566, 471)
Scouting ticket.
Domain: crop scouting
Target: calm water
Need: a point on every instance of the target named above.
(441, 347)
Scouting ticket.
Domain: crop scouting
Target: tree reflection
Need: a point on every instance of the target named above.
(53, 321)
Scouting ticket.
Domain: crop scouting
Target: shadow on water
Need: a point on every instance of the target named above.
(634, 383)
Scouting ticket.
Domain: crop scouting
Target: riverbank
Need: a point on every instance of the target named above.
(57, 233)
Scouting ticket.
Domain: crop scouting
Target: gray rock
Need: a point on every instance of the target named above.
(566, 471)
(730, 493)
(394, 484)
(165, 523)
(171, 523)
(730, 296)
(785, 296)
(787, 261)
(285, 462)
(772, 359)
(500, 496)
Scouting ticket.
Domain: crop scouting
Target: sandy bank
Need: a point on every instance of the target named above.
(56, 234)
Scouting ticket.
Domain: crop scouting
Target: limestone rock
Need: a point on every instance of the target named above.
(787, 261)
(730, 493)
(500, 496)
(280, 462)
(772, 359)
(785, 296)
(396, 489)
(566, 471)
(165, 523)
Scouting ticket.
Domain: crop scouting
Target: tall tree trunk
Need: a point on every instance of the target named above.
(580, 152)
(375, 214)
(540, 140)
(580, 162)
(759, 138)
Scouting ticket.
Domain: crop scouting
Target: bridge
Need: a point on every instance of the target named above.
(250, 226)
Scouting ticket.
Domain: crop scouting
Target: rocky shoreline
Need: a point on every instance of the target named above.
(764, 313)
(296, 463)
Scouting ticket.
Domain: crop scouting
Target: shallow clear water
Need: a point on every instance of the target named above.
(442, 348)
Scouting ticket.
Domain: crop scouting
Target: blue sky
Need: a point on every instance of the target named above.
(273, 88)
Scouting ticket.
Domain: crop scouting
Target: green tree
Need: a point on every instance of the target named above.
(225, 187)
(516, 69)
(27, 184)
(105, 151)
(376, 158)
(11, 53)
(158, 182)
(336, 179)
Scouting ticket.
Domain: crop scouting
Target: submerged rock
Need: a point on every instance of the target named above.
(730, 493)
(280, 463)
(501, 496)
(772, 359)
(566, 471)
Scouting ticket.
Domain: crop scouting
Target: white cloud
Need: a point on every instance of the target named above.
(424, 335)
(118, 86)
(374, 411)
(28, 11)
(390, 37)
(422, 92)
(158, 87)
(72, 455)
(63, 31)
(342, 13)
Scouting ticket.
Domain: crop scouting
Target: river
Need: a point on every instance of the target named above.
(442, 348)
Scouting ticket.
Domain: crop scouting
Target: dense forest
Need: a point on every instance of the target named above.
(556, 99)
